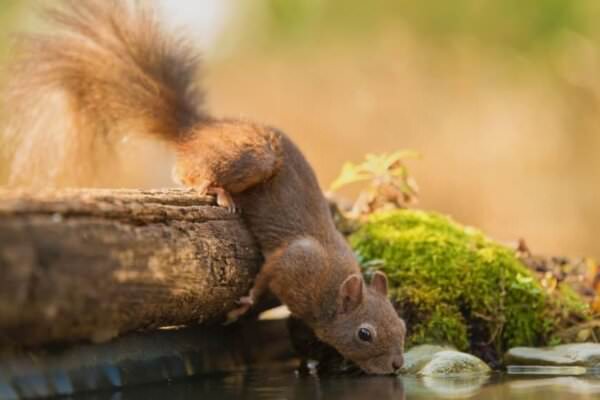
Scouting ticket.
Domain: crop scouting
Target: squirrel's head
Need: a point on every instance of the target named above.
(366, 329)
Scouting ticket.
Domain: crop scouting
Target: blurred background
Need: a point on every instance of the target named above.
(501, 98)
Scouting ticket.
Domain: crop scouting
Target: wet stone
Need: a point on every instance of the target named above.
(439, 361)
(544, 370)
(577, 354)
(417, 357)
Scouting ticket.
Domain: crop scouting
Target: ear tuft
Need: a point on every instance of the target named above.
(379, 282)
(351, 293)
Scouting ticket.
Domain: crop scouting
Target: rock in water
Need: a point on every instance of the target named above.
(438, 361)
(576, 354)
(544, 370)
(451, 363)
(417, 357)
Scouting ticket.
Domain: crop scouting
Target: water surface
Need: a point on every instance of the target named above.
(285, 383)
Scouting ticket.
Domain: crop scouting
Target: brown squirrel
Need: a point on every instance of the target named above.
(120, 72)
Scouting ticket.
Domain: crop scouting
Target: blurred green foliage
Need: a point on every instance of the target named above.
(503, 24)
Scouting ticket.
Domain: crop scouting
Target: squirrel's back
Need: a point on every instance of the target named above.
(113, 69)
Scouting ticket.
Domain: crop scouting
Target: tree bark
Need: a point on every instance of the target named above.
(93, 264)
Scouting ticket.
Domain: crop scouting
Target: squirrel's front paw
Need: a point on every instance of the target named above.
(245, 303)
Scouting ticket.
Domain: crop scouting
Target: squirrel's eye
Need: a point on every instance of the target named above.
(365, 335)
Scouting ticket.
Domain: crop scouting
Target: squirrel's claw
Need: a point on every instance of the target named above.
(236, 313)
(245, 303)
(246, 300)
(224, 199)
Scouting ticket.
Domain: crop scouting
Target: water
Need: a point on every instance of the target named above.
(285, 383)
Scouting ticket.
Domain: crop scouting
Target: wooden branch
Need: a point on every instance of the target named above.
(92, 264)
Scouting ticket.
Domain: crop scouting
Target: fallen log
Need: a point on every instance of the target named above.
(93, 264)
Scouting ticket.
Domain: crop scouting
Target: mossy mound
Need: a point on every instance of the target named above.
(455, 286)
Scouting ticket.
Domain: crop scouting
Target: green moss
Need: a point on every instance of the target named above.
(456, 286)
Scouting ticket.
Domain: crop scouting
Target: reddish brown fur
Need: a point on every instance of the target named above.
(107, 70)
(122, 73)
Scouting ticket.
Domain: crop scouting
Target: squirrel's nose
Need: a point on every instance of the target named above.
(397, 362)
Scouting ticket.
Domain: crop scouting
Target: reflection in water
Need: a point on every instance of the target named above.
(280, 383)
(454, 387)
(266, 384)
(565, 383)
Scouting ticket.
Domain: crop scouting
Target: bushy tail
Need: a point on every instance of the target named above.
(106, 70)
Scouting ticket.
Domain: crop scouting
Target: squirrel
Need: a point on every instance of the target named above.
(121, 72)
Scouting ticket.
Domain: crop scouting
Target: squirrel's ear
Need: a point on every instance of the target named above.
(379, 282)
(351, 293)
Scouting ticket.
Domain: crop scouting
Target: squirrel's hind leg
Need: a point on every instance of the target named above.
(222, 197)
(226, 158)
